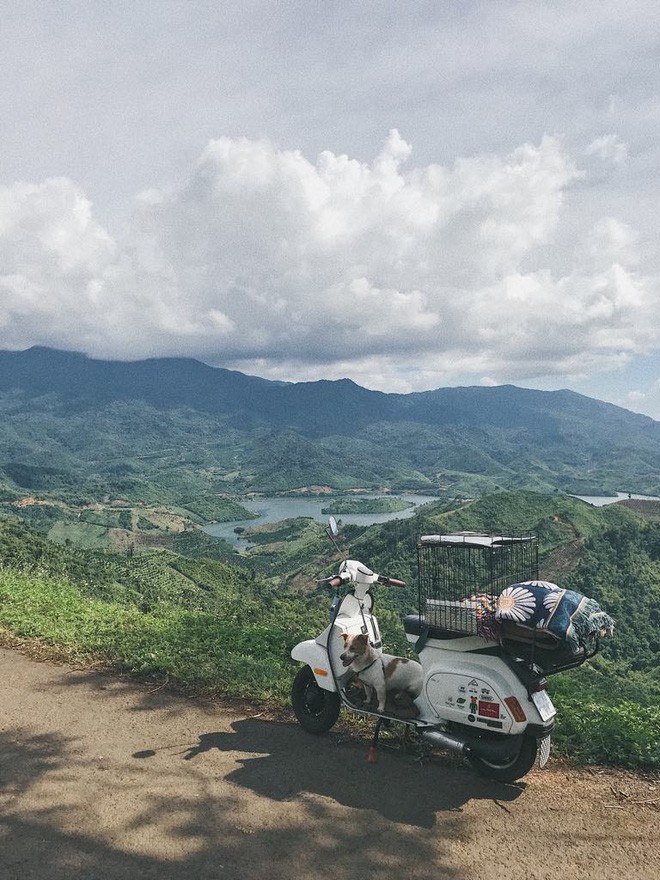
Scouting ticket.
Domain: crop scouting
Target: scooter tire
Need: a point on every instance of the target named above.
(513, 769)
(316, 709)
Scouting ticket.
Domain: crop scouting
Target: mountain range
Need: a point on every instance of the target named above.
(164, 428)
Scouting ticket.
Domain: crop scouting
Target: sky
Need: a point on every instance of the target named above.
(411, 195)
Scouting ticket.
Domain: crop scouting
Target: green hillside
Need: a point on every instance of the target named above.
(228, 626)
(345, 505)
(166, 431)
(122, 525)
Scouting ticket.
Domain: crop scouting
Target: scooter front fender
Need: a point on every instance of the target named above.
(316, 657)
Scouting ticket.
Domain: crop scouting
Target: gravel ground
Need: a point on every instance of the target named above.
(105, 777)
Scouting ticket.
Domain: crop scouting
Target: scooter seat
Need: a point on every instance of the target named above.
(416, 625)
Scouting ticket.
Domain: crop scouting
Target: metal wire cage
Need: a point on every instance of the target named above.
(461, 574)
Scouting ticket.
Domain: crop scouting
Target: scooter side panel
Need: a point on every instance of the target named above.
(467, 700)
(482, 678)
(316, 657)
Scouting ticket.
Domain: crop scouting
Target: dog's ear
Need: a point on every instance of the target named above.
(344, 636)
(363, 638)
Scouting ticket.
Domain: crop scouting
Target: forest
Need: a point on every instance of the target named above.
(173, 431)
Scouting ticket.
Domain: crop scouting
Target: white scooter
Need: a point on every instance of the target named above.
(483, 695)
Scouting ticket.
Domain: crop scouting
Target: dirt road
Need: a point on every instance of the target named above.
(102, 777)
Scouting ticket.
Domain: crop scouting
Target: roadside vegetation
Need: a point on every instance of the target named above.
(215, 622)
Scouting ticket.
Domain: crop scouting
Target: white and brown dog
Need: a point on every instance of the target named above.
(380, 672)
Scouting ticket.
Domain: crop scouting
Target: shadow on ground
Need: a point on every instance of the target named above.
(206, 832)
(288, 762)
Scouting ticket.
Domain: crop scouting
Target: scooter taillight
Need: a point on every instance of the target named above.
(515, 708)
(540, 685)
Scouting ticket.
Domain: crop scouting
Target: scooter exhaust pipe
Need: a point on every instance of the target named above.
(446, 741)
(501, 748)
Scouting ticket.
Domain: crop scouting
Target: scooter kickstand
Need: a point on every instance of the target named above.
(372, 755)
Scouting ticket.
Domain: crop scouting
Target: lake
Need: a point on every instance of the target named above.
(602, 500)
(275, 509)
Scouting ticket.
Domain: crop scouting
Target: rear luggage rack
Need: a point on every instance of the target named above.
(460, 574)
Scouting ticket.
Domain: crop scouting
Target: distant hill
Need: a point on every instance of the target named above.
(166, 428)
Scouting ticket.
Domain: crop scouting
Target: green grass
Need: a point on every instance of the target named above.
(624, 734)
(197, 649)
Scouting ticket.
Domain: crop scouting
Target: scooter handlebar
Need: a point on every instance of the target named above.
(335, 581)
(390, 582)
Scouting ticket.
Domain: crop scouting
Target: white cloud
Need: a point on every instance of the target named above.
(608, 148)
(611, 239)
(399, 276)
(53, 257)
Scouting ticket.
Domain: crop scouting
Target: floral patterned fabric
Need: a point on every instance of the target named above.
(569, 616)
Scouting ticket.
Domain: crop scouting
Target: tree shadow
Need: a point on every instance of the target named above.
(25, 758)
(344, 851)
(290, 763)
(202, 829)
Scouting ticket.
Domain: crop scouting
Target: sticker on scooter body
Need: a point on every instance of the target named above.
(489, 710)
(481, 709)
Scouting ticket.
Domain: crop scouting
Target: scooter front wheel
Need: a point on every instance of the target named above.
(512, 769)
(316, 709)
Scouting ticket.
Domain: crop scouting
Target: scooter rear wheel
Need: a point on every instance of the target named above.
(316, 709)
(512, 769)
